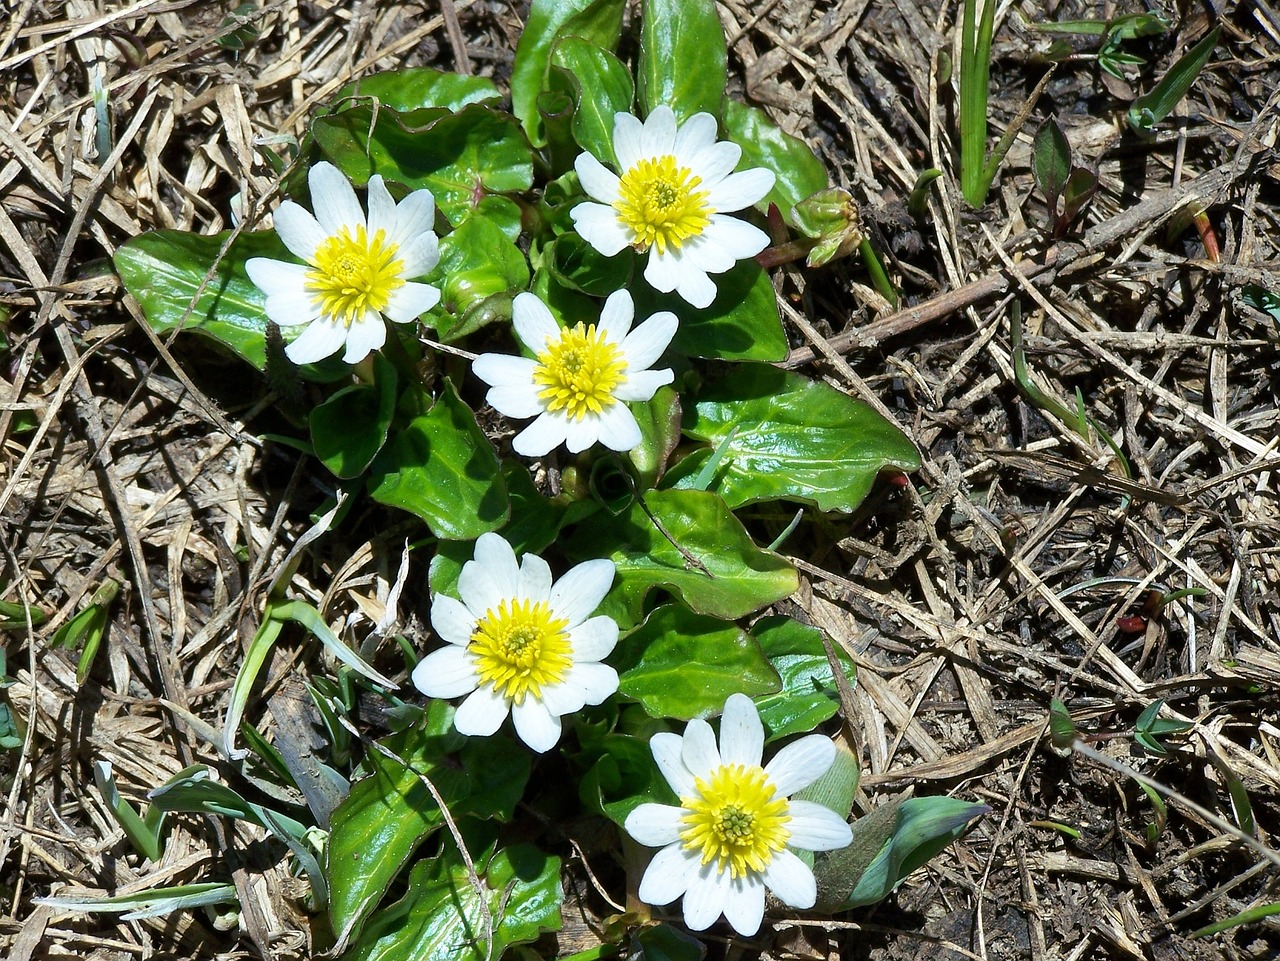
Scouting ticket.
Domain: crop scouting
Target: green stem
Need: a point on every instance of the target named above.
(878, 277)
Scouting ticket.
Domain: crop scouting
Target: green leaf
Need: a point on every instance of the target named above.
(764, 144)
(442, 915)
(888, 844)
(683, 665)
(599, 21)
(193, 791)
(790, 438)
(9, 735)
(808, 696)
(717, 569)
(601, 86)
(661, 942)
(442, 468)
(164, 269)
(1051, 162)
(623, 777)
(349, 428)
(742, 323)
(1078, 191)
(390, 813)
(1152, 107)
(682, 58)
(153, 903)
(460, 157)
(13, 617)
(576, 265)
(659, 420)
(416, 87)
(479, 274)
(144, 839)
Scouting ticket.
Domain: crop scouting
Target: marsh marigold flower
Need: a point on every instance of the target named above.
(675, 185)
(732, 834)
(520, 644)
(357, 271)
(577, 386)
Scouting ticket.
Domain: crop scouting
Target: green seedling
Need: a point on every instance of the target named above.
(1150, 728)
(1152, 107)
(153, 903)
(920, 192)
(1067, 188)
(145, 834)
(10, 735)
(1113, 32)
(88, 628)
(14, 616)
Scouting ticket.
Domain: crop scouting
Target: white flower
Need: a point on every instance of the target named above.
(521, 645)
(358, 270)
(675, 186)
(581, 375)
(729, 839)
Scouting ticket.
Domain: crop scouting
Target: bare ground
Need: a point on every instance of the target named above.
(1013, 570)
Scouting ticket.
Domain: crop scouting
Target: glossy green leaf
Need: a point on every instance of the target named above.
(661, 942)
(717, 569)
(602, 87)
(390, 813)
(164, 269)
(479, 274)
(460, 157)
(888, 844)
(349, 428)
(416, 87)
(576, 265)
(764, 144)
(599, 21)
(682, 57)
(442, 914)
(442, 468)
(790, 438)
(684, 665)
(623, 777)
(742, 323)
(1153, 106)
(659, 420)
(808, 696)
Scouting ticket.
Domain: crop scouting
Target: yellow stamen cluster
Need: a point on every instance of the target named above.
(354, 275)
(659, 203)
(520, 648)
(736, 819)
(579, 372)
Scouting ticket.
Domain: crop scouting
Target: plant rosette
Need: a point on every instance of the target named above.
(358, 269)
(731, 836)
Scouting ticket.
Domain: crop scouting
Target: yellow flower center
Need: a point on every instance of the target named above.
(661, 205)
(520, 647)
(354, 275)
(579, 372)
(735, 819)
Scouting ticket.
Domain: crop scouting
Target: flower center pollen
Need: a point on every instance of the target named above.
(659, 203)
(354, 275)
(735, 819)
(579, 373)
(520, 648)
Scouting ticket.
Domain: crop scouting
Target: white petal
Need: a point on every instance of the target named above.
(594, 639)
(505, 370)
(668, 749)
(790, 880)
(576, 595)
(516, 400)
(626, 140)
(617, 428)
(744, 905)
(742, 189)
(411, 301)
(415, 216)
(299, 231)
(599, 226)
(419, 255)
(581, 433)
(364, 337)
(616, 317)
(451, 620)
(599, 182)
(535, 579)
(289, 303)
(699, 748)
(646, 343)
(800, 763)
(739, 238)
(537, 727)
(695, 134)
(382, 209)
(658, 138)
(668, 875)
(565, 697)
(696, 287)
(643, 385)
(708, 255)
(713, 162)
(482, 713)
(317, 342)
(448, 672)
(663, 271)
(596, 682)
(547, 432)
(334, 199)
(655, 825)
(741, 733)
(491, 578)
(534, 324)
(704, 902)
(814, 827)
